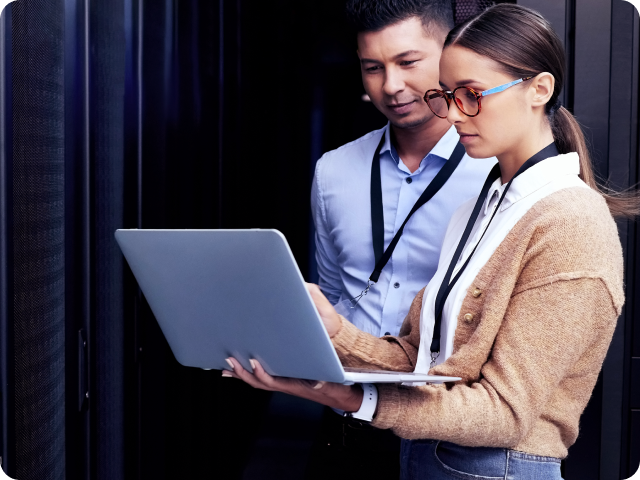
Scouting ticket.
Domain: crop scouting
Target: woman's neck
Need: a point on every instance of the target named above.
(511, 160)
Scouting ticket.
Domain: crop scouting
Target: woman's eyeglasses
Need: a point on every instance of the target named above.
(466, 99)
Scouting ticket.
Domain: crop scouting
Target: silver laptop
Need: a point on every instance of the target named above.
(239, 293)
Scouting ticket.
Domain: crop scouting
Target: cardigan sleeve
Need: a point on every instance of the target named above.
(362, 350)
(546, 331)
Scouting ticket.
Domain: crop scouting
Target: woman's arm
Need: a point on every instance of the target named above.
(549, 349)
(362, 350)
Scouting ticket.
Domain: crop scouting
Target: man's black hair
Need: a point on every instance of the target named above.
(374, 15)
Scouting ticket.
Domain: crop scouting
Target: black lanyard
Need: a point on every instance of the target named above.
(377, 217)
(447, 285)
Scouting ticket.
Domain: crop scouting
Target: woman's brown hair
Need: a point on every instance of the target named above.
(523, 43)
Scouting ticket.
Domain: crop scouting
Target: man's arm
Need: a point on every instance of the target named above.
(329, 281)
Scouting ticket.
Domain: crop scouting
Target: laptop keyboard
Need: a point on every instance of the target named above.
(366, 370)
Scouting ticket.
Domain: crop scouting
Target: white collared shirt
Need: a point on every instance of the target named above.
(536, 183)
(341, 206)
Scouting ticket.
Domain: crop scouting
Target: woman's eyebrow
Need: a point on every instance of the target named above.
(464, 83)
(468, 83)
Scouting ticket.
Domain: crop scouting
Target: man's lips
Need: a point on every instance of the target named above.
(401, 108)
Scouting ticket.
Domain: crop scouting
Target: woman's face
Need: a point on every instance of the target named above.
(502, 125)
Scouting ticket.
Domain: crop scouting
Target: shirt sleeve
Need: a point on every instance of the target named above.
(330, 281)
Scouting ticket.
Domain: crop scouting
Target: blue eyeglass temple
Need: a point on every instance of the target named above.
(502, 88)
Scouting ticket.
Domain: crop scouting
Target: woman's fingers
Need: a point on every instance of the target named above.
(331, 394)
(328, 314)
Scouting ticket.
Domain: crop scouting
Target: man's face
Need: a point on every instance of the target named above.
(399, 64)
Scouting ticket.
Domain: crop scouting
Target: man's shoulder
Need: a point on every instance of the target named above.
(359, 149)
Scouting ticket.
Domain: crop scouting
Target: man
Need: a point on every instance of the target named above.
(399, 46)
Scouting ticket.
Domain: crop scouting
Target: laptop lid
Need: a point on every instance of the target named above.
(221, 293)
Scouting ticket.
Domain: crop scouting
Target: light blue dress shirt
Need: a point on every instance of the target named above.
(340, 202)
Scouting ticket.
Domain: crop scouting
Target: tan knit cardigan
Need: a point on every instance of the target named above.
(531, 337)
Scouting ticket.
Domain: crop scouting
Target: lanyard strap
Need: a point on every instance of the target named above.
(377, 216)
(447, 285)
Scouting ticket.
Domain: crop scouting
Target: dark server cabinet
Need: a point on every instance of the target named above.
(212, 114)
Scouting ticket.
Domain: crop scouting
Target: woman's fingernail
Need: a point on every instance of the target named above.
(229, 362)
(318, 385)
(253, 363)
(226, 374)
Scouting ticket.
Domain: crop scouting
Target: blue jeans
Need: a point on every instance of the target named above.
(437, 460)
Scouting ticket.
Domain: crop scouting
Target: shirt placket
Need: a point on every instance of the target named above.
(398, 264)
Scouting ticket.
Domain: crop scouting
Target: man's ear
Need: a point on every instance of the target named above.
(542, 85)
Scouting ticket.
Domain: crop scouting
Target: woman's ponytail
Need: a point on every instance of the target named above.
(569, 137)
(524, 44)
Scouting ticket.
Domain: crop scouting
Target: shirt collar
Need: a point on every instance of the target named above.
(533, 179)
(443, 149)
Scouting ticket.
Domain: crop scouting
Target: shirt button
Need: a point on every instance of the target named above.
(409, 180)
(387, 333)
(396, 285)
(468, 317)
(476, 293)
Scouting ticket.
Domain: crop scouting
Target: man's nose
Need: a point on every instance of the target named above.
(393, 82)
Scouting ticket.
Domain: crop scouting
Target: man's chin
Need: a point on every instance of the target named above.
(409, 123)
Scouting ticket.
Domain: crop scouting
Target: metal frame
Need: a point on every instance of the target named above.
(7, 420)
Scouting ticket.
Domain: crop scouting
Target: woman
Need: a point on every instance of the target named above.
(529, 285)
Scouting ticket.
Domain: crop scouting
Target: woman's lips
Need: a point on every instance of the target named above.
(401, 108)
(466, 138)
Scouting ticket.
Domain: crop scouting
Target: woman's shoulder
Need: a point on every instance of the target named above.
(570, 213)
(570, 234)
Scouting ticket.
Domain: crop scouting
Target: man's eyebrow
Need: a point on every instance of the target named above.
(405, 54)
(396, 57)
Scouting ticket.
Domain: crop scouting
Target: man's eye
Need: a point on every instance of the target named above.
(407, 62)
(373, 69)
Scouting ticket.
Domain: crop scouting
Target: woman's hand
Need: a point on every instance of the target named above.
(343, 397)
(328, 314)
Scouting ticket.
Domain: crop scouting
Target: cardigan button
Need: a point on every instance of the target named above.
(476, 293)
(468, 317)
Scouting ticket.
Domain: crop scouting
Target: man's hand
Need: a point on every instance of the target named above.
(328, 314)
(343, 397)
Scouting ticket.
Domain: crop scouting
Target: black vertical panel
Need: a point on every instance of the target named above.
(38, 238)
(7, 367)
(107, 62)
(131, 211)
(591, 83)
(150, 32)
(591, 40)
(622, 167)
(76, 278)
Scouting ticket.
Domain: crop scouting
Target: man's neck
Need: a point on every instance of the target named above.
(413, 144)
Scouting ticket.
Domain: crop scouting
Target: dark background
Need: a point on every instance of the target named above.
(211, 114)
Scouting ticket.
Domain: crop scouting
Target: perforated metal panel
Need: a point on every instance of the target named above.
(463, 9)
(38, 238)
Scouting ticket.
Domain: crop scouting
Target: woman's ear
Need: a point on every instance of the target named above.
(542, 86)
